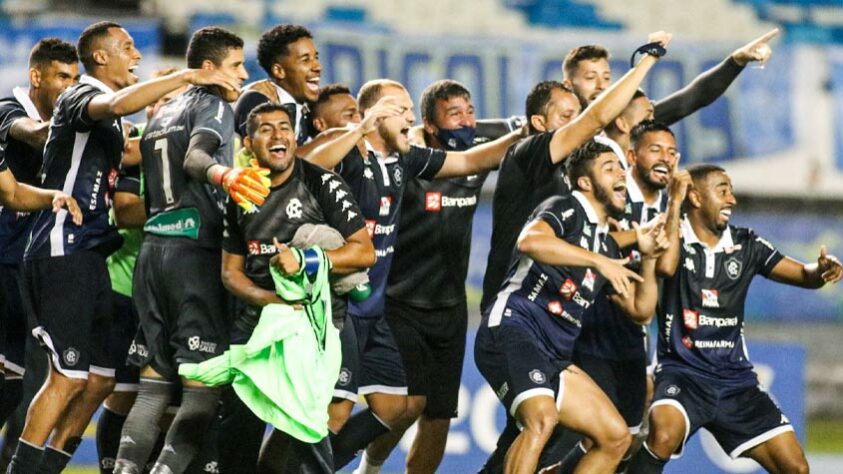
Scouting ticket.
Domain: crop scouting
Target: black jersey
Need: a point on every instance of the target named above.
(434, 241)
(701, 312)
(378, 186)
(550, 301)
(607, 332)
(526, 178)
(81, 158)
(24, 162)
(179, 205)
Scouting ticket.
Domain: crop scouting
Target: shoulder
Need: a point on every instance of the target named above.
(77, 92)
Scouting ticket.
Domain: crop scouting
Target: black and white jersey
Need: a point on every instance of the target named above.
(434, 241)
(526, 178)
(378, 185)
(701, 312)
(81, 158)
(607, 332)
(311, 195)
(164, 147)
(24, 162)
(298, 113)
(550, 301)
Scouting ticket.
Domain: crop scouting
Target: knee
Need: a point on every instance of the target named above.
(100, 387)
(338, 415)
(393, 413)
(541, 424)
(415, 407)
(798, 465)
(615, 438)
(67, 386)
(663, 442)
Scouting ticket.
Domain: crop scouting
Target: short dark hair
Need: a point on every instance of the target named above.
(645, 127)
(371, 92)
(52, 49)
(85, 45)
(328, 91)
(211, 43)
(539, 97)
(579, 161)
(444, 89)
(701, 171)
(273, 43)
(589, 52)
(264, 108)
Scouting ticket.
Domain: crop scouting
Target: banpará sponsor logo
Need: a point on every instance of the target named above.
(258, 248)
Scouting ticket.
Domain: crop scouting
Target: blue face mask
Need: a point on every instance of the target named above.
(456, 139)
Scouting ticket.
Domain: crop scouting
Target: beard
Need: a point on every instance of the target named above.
(605, 197)
(652, 183)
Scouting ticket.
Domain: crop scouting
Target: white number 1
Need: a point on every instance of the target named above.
(161, 148)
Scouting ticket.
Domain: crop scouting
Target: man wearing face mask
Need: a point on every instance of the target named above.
(425, 305)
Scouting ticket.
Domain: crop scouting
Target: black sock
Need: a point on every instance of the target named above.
(109, 427)
(645, 462)
(240, 436)
(55, 460)
(570, 461)
(187, 433)
(26, 456)
(11, 397)
(360, 430)
(140, 430)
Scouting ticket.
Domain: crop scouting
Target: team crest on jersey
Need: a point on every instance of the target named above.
(672, 390)
(370, 227)
(397, 175)
(733, 268)
(537, 376)
(588, 280)
(294, 209)
(568, 289)
(555, 307)
(433, 202)
(70, 356)
(386, 204)
(691, 318)
(709, 299)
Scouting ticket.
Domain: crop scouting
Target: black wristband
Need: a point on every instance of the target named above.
(653, 49)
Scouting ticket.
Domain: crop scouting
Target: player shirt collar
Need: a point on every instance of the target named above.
(22, 96)
(590, 213)
(392, 158)
(284, 97)
(91, 80)
(615, 146)
(691, 238)
(635, 194)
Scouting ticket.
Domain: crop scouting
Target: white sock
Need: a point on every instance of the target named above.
(368, 466)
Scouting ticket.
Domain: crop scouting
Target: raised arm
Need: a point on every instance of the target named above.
(132, 99)
(827, 269)
(604, 109)
(640, 305)
(31, 132)
(711, 84)
(679, 186)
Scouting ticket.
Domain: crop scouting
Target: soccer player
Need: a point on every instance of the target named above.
(178, 293)
(533, 170)
(24, 121)
(334, 108)
(289, 57)
(425, 304)
(301, 193)
(704, 378)
(82, 153)
(377, 166)
(524, 345)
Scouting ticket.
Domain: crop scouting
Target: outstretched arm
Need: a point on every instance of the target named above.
(827, 269)
(31, 132)
(480, 158)
(711, 84)
(23, 197)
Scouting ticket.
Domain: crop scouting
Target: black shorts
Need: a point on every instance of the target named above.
(182, 305)
(371, 362)
(739, 418)
(69, 298)
(124, 326)
(508, 358)
(623, 381)
(432, 345)
(13, 333)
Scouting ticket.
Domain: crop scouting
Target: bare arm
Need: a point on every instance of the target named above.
(133, 98)
(235, 280)
(31, 132)
(357, 254)
(23, 197)
(827, 269)
(641, 304)
(480, 158)
(668, 261)
(129, 211)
